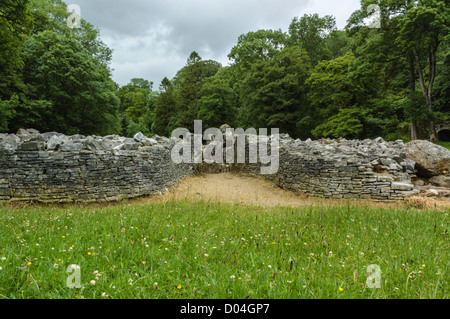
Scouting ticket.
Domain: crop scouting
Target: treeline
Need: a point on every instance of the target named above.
(311, 81)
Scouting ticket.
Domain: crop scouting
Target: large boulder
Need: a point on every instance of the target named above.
(431, 159)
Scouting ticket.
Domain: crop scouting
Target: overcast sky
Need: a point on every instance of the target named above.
(152, 39)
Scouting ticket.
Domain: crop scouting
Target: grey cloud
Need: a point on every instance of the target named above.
(149, 35)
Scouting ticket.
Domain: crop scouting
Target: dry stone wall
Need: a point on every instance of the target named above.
(368, 169)
(51, 167)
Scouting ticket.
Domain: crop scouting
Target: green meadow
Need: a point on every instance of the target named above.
(183, 249)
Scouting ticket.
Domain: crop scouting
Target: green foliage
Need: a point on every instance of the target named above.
(274, 93)
(165, 110)
(136, 98)
(7, 111)
(15, 24)
(58, 70)
(217, 103)
(313, 80)
(310, 32)
(347, 123)
(188, 83)
(256, 46)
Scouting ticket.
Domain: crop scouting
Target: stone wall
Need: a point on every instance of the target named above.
(51, 167)
(369, 169)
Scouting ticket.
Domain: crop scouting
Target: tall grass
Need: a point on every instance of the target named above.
(204, 250)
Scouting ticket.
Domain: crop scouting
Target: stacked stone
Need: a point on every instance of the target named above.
(52, 167)
(368, 169)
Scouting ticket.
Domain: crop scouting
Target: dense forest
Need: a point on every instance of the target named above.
(311, 81)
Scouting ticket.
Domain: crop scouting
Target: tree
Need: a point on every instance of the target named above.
(188, 83)
(135, 98)
(257, 46)
(75, 87)
(51, 15)
(165, 110)
(218, 101)
(274, 93)
(15, 24)
(310, 33)
(416, 29)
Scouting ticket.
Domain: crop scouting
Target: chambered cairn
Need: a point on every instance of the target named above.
(52, 167)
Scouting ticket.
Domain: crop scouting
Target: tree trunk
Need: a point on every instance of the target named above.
(427, 90)
(413, 130)
(412, 89)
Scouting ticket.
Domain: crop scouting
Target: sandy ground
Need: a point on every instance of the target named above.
(232, 188)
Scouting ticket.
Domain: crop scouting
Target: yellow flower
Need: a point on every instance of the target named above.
(63, 236)
(59, 259)
(89, 253)
(29, 263)
(179, 287)
(341, 289)
(274, 243)
(143, 262)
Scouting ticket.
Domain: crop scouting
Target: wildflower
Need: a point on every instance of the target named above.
(92, 282)
(63, 236)
(206, 255)
(104, 295)
(1, 268)
(269, 266)
(179, 287)
(56, 265)
(155, 285)
(89, 253)
(29, 263)
(274, 243)
(330, 253)
(233, 277)
(3, 258)
(143, 262)
(341, 289)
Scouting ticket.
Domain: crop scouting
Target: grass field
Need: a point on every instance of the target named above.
(183, 250)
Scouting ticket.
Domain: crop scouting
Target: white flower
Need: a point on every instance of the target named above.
(56, 265)
(1, 268)
(3, 258)
(206, 255)
(92, 282)
(155, 285)
(269, 266)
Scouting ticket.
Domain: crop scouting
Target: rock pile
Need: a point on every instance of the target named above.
(52, 167)
(368, 169)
